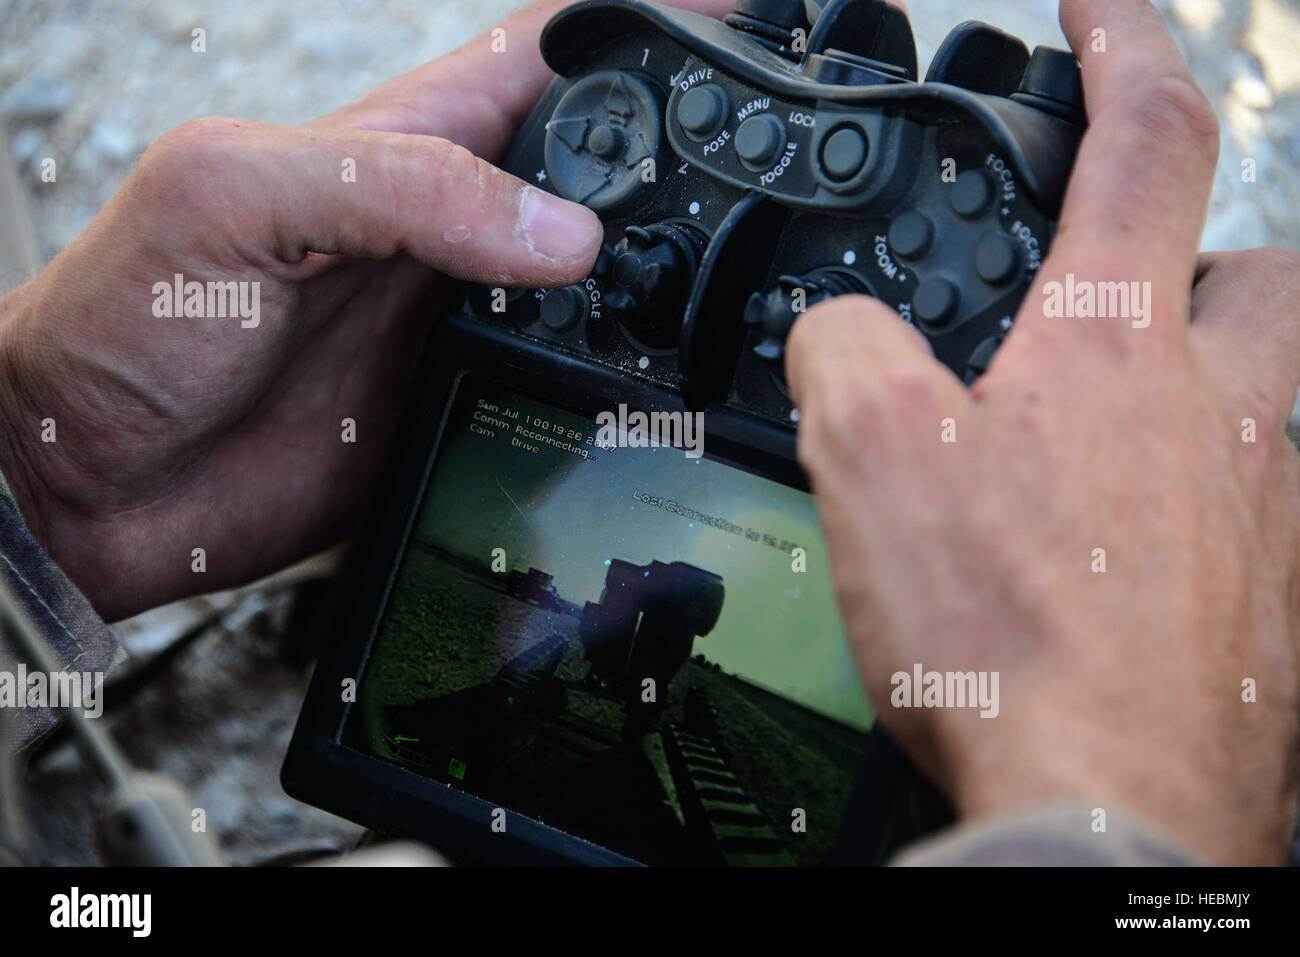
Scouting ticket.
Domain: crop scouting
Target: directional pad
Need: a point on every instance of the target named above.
(617, 101)
(599, 138)
(572, 132)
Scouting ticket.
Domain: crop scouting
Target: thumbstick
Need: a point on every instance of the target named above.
(773, 313)
(648, 276)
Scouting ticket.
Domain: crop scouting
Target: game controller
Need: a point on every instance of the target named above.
(747, 169)
(743, 170)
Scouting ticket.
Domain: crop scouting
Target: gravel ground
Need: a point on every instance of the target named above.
(92, 84)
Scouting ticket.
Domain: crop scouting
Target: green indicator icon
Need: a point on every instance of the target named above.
(456, 769)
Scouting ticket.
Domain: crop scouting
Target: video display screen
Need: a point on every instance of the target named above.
(633, 645)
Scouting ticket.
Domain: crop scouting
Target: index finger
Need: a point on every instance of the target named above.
(1136, 205)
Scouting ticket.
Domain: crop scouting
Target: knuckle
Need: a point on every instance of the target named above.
(1276, 262)
(184, 160)
(205, 130)
(452, 172)
(1262, 403)
(1175, 109)
(192, 141)
(909, 389)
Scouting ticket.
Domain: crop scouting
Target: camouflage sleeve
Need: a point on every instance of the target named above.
(76, 634)
(1075, 835)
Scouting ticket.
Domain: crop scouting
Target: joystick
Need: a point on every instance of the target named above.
(773, 314)
(647, 276)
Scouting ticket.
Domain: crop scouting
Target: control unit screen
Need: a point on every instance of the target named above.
(632, 644)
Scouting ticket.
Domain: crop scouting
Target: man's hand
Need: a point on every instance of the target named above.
(1125, 674)
(180, 433)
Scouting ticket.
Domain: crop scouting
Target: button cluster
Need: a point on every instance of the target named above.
(702, 112)
(998, 259)
(760, 138)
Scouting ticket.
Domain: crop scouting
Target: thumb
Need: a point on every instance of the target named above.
(372, 194)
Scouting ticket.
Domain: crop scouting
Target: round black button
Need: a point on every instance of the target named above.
(971, 193)
(997, 258)
(759, 139)
(563, 309)
(911, 234)
(934, 302)
(606, 141)
(844, 152)
(700, 110)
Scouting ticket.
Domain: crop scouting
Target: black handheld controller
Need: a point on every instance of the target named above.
(744, 170)
(749, 168)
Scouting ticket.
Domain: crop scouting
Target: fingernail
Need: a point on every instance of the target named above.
(554, 228)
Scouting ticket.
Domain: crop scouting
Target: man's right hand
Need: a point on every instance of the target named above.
(1157, 451)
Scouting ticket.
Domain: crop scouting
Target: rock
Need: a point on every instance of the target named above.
(66, 44)
(25, 146)
(1239, 226)
(1273, 29)
(1201, 15)
(332, 44)
(113, 142)
(36, 97)
(1253, 92)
